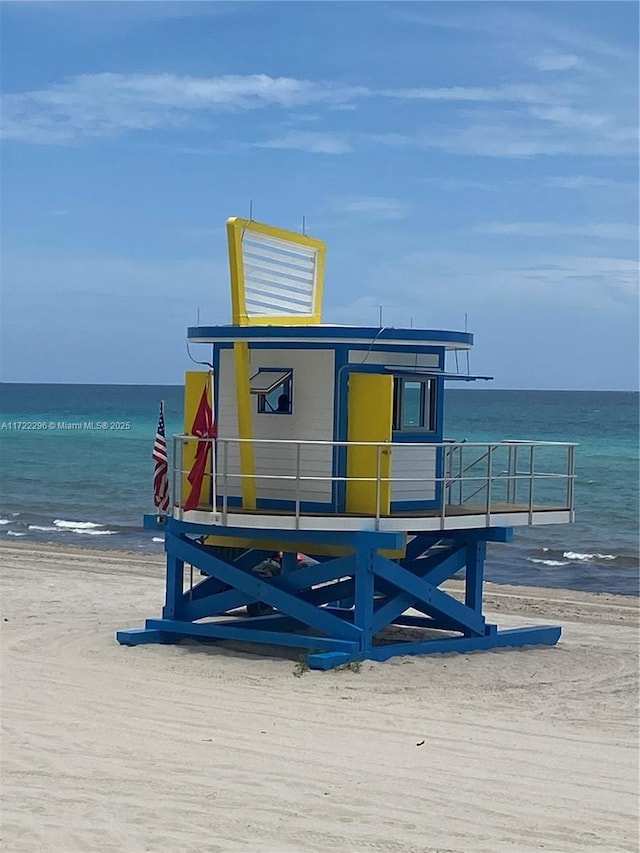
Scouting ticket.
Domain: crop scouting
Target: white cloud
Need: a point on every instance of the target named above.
(314, 143)
(520, 134)
(552, 60)
(512, 120)
(437, 287)
(577, 119)
(516, 30)
(372, 207)
(583, 182)
(598, 230)
(109, 104)
(512, 92)
(564, 182)
(464, 184)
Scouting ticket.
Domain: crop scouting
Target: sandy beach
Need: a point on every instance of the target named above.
(107, 749)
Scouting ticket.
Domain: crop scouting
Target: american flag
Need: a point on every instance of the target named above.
(160, 475)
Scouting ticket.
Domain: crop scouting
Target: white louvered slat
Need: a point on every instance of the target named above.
(280, 277)
(256, 300)
(265, 256)
(284, 246)
(262, 282)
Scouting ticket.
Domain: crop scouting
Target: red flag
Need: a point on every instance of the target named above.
(204, 426)
(160, 474)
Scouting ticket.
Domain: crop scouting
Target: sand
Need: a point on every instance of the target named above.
(191, 748)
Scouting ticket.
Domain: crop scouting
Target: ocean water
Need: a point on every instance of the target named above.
(90, 485)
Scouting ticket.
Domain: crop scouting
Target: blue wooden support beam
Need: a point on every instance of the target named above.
(544, 635)
(421, 543)
(301, 578)
(289, 561)
(262, 590)
(433, 601)
(154, 522)
(205, 588)
(247, 561)
(384, 540)
(406, 620)
(474, 575)
(311, 575)
(330, 660)
(295, 582)
(438, 620)
(173, 605)
(215, 605)
(198, 607)
(365, 557)
(332, 592)
(273, 622)
(144, 636)
(435, 570)
(222, 631)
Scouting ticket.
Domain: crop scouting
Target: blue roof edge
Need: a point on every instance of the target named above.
(320, 333)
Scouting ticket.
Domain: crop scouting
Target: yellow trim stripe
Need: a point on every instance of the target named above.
(369, 413)
(236, 227)
(236, 270)
(300, 546)
(195, 382)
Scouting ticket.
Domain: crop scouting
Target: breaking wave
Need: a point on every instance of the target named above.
(75, 525)
(576, 555)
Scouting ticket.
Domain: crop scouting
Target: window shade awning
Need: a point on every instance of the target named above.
(427, 371)
(265, 381)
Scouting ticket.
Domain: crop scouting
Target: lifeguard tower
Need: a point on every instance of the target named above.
(327, 441)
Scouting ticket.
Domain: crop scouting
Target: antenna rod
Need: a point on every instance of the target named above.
(251, 210)
(304, 226)
(380, 315)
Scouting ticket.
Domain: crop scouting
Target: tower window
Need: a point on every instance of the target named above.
(273, 388)
(414, 404)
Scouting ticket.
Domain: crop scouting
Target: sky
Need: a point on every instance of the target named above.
(467, 163)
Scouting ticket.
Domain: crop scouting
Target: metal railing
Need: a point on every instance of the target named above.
(463, 478)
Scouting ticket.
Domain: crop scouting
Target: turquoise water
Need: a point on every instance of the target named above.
(91, 486)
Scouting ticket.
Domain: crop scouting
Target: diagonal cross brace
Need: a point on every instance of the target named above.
(258, 589)
(421, 543)
(433, 601)
(294, 582)
(435, 571)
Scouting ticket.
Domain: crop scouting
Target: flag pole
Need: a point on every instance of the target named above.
(169, 479)
(160, 455)
(161, 515)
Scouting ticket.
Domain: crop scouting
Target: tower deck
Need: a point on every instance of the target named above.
(514, 483)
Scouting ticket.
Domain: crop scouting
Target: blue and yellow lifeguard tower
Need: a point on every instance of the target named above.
(327, 441)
